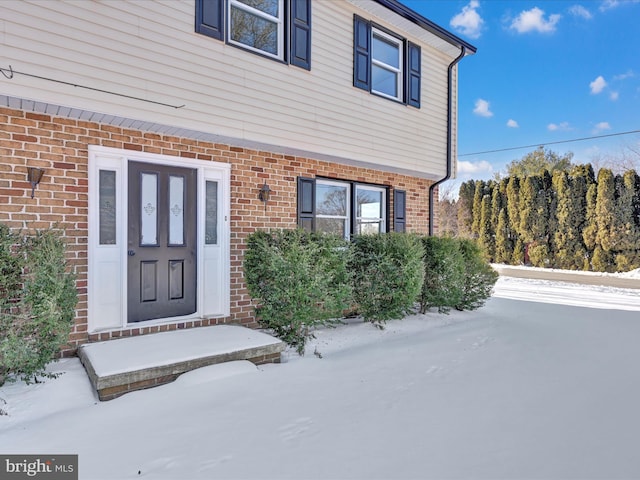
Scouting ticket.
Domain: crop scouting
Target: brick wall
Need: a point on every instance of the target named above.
(60, 146)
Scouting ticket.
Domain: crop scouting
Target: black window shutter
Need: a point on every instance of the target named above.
(307, 203)
(210, 18)
(361, 53)
(413, 74)
(300, 54)
(399, 210)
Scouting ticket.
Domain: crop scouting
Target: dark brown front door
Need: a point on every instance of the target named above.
(162, 245)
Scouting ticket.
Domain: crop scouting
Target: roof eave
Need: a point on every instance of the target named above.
(427, 24)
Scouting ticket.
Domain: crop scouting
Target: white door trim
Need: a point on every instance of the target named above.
(107, 264)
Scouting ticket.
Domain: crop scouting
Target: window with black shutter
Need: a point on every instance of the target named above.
(278, 29)
(385, 64)
(341, 207)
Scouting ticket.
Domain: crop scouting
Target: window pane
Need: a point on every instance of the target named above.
(384, 81)
(386, 52)
(176, 210)
(331, 200)
(211, 214)
(107, 207)
(336, 226)
(267, 6)
(369, 203)
(367, 228)
(149, 209)
(254, 31)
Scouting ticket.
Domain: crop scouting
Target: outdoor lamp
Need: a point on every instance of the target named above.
(264, 194)
(34, 175)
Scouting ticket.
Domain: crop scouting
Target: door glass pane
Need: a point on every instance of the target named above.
(254, 31)
(107, 202)
(149, 209)
(176, 210)
(331, 200)
(211, 214)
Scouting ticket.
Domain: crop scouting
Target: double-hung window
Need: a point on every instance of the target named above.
(278, 29)
(257, 25)
(385, 64)
(342, 208)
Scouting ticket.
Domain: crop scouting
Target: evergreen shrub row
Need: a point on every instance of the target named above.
(301, 280)
(37, 302)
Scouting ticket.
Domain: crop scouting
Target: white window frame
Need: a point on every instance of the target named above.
(383, 207)
(279, 21)
(345, 218)
(375, 32)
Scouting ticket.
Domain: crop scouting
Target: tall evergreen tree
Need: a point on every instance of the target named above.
(513, 204)
(486, 240)
(464, 208)
(478, 193)
(497, 203)
(627, 222)
(570, 218)
(551, 225)
(591, 224)
(605, 210)
(605, 240)
(504, 244)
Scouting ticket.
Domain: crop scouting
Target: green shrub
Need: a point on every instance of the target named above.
(387, 274)
(299, 281)
(37, 305)
(479, 277)
(444, 274)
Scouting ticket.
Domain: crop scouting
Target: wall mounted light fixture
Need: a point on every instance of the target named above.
(34, 175)
(264, 194)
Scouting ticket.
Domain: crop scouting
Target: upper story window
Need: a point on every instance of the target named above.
(257, 25)
(278, 29)
(344, 208)
(385, 64)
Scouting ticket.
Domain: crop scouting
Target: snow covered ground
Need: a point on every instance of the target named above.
(521, 388)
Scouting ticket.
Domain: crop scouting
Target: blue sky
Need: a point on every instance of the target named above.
(545, 71)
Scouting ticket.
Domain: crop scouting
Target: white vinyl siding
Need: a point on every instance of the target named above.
(149, 50)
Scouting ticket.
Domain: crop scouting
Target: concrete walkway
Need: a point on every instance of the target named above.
(583, 278)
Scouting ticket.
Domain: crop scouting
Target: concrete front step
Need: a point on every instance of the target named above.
(127, 364)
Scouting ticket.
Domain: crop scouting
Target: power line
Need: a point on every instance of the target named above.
(549, 143)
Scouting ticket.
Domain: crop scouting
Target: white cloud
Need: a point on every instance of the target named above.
(533, 20)
(624, 76)
(559, 127)
(482, 108)
(609, 4)
(511, 123)
(580, 11)
(597, 85)
(468, 21)
(614, 96)
(601, 127)
(474, 168)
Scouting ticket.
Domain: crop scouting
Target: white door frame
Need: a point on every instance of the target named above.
(107, 264)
